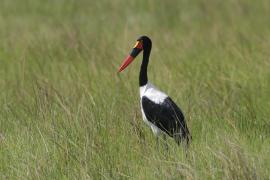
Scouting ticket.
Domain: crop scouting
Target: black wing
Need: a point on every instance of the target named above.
(166, 116)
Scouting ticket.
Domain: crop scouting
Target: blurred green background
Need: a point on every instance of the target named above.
(66, 114)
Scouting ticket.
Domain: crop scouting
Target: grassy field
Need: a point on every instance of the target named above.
(66, 114)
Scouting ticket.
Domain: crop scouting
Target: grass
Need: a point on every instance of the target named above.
(66, 114)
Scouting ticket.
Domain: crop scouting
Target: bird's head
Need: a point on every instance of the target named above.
(143, 43)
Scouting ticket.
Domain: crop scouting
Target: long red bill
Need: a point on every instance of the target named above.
(126, 62)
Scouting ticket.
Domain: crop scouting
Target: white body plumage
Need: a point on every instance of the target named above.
(155, 95)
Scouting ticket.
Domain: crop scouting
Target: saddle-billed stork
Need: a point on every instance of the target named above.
(158, 109)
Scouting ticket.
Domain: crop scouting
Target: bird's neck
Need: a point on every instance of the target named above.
(143, 79)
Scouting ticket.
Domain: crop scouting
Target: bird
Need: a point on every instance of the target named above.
(159, 111)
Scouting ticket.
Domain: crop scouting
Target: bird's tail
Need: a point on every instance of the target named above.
(183, 139)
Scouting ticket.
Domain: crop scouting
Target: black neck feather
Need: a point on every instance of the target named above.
(143, 72)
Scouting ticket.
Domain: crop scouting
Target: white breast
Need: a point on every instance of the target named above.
(152, 93)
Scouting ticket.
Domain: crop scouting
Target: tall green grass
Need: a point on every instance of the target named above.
(66, 114)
